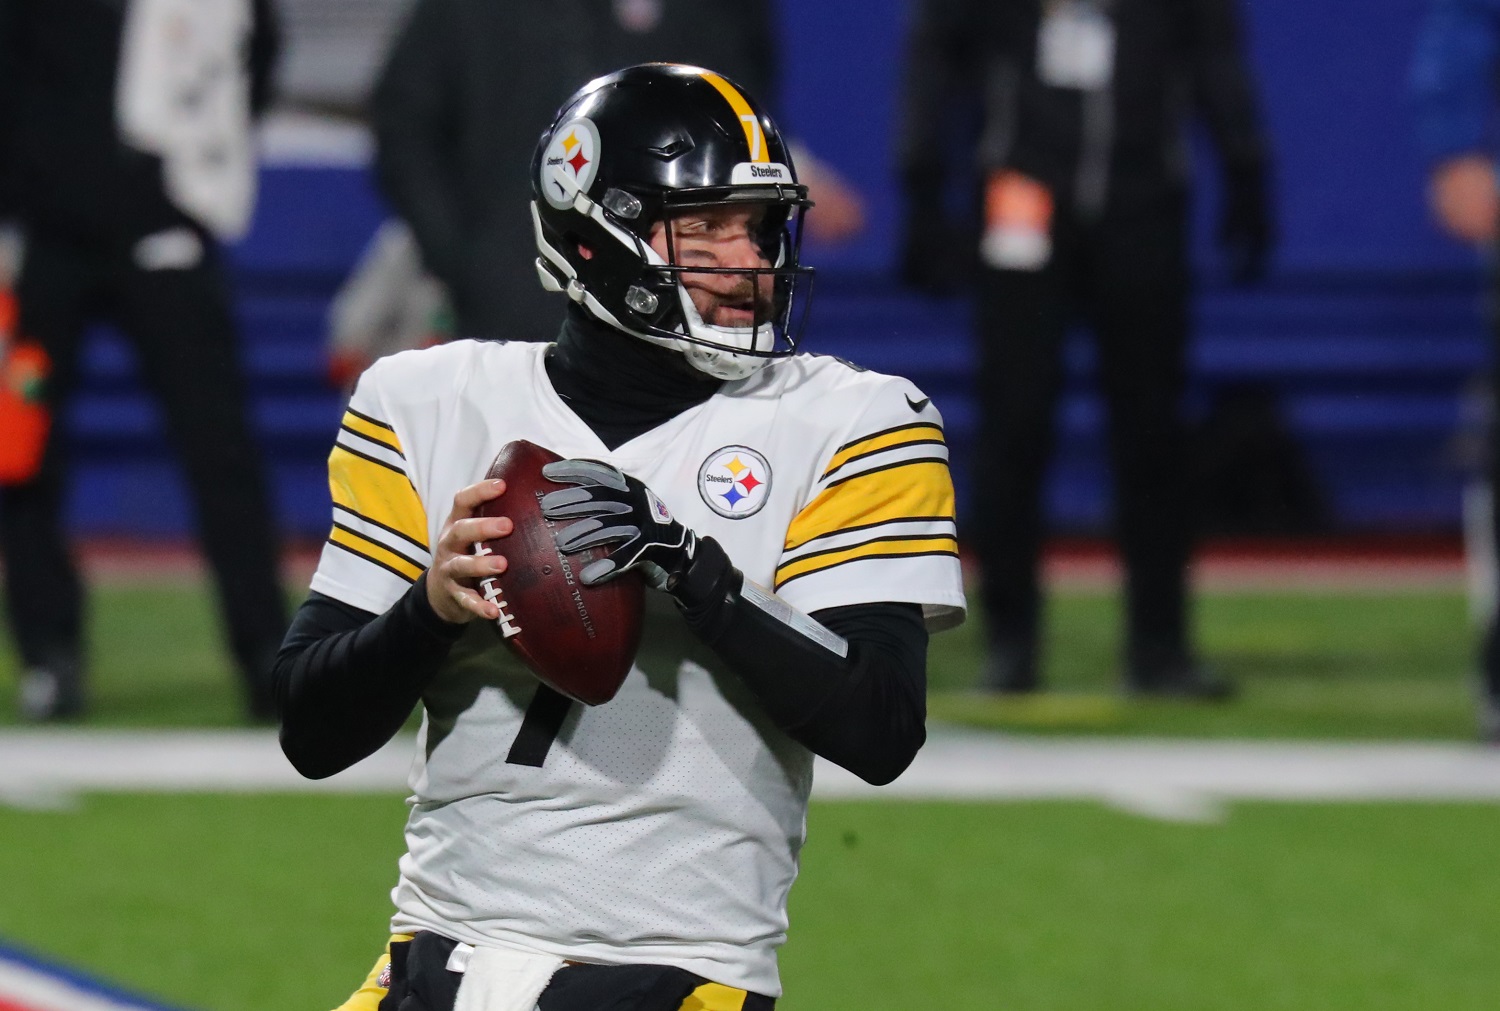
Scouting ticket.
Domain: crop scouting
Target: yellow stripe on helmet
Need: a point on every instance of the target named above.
(749, 121)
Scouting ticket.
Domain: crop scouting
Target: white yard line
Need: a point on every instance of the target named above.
(1182, 780)
(42, 766)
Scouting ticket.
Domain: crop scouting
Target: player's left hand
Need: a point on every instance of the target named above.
(609, 506)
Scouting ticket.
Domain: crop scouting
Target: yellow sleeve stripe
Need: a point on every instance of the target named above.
(365, 538)
(390, 530)
(714, 997)
(375, 554)
(369, 428)
(905, 490)
(880, 547)
(922, 433)
(903, 520)
(376, 491)
(893, 465)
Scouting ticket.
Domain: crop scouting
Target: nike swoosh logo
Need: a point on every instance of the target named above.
(918, 405)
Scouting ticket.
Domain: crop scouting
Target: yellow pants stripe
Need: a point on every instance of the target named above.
(370, 992)
(714, 997)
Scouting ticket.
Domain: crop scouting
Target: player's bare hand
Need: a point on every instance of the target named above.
(453, 580)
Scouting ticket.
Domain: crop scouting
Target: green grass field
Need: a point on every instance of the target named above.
(233, 903)
(255, 902)
(1324, 665)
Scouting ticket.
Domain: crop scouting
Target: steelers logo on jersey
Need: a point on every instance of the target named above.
(735, 482)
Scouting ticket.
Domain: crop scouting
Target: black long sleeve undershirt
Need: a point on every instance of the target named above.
(346, 680)
(872, 720)
(865, 711)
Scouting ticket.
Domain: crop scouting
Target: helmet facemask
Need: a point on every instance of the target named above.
(754, 313)
(657, 303)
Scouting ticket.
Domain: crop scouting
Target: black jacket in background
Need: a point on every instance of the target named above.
(62, 162)
(465, 94)
(1175, 60)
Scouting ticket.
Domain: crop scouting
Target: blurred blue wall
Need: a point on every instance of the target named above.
(1367, 334)
(1332, 76)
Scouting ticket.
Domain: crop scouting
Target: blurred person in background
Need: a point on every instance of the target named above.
(125, 156)
(1454, 86)
(389, 303)
(1083, 110)
(332, 51)
(470, 84)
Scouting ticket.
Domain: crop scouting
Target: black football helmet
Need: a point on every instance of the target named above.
(637, 147)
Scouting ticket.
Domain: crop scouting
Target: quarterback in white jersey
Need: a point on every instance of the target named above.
(815, 548)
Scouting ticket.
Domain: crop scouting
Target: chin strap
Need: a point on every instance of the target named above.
(717, 362)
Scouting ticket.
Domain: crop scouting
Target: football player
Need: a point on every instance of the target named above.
(636, 854)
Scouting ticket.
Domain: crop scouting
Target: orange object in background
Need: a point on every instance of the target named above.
(1017, 222)
(24, 419)
(1013, 200)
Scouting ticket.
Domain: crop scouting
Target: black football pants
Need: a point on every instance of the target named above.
(420, 981)
(1127, 277)
(180, 324)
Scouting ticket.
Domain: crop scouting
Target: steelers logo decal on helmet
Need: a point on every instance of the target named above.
(735, 482)
(571, 162)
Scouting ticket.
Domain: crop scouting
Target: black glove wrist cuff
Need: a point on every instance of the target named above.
(706, 584)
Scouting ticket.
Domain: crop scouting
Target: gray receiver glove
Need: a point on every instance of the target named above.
(608, 506)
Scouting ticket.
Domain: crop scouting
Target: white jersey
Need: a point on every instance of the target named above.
(664, 826)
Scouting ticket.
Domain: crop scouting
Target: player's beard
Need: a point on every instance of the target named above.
(748, 303)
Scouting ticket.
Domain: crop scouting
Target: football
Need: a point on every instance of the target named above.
(579, 639)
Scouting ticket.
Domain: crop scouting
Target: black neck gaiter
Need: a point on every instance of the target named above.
(621, 386)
